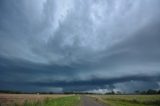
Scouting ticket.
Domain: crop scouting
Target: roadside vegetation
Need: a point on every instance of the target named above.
(38, 100)
(131, 100)
(64, 101)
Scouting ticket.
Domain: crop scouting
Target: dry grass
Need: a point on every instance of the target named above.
(19, 99)
(129, 100)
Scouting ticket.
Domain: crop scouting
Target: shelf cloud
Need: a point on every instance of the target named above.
(76, 45)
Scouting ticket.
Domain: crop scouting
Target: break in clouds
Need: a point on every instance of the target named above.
(79, 45)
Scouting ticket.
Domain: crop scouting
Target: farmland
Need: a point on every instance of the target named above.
(130, 100)
(38, 100)
(78, 100)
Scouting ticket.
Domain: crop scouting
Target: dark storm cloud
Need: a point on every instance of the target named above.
(85, 46)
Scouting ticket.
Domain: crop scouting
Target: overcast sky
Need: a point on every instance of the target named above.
(79, 45)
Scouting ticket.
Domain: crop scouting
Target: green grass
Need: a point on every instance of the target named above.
(64, 101)
(132, 100)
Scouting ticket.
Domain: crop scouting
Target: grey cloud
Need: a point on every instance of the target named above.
(42, 43)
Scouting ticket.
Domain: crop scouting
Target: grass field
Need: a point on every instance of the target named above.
(130, 100)
(63, 101)
(38, 100)
(74, 100)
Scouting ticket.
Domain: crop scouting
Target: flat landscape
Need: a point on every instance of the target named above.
(79, 52)
(32, 99)
(129, 100)
(78, 100)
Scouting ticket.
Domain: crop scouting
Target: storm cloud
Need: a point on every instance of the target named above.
(77, 45)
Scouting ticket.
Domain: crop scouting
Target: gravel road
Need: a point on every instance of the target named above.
(87, 101)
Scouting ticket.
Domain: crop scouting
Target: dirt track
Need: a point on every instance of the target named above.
(87, 101)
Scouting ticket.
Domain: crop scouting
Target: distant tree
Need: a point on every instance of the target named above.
(137, 92)
(112, 92)
(151, 91)
(143, 92)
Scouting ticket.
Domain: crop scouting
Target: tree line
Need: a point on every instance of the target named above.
(147, 92)
(150, 91)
